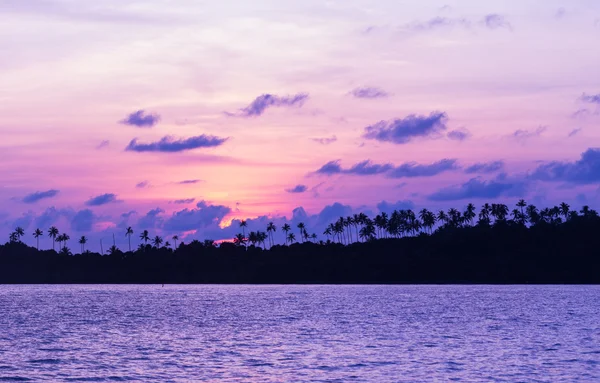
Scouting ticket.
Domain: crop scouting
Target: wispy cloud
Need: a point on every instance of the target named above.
(459, 135)
(406, 170)
(523, 135)
(369, 92)
(102, 200)
(590, 98)
(189, 182)
(140, 119)
(265, 101)
(297, 189)
(496, 21)
(169, 144)
(103, 144)
(574, 132)
(325, 140)
(37, 196)
(143, 185)
(402, 131)
(184, 201)
(485, 167)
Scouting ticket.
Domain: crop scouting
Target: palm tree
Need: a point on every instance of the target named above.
(469, 214)
(261, 236)
(128, 234)
(175, 239)
(13, 237)
(564, 210)
(19, 232)
(328, 232)
(302, 228)
(157, 241)
(37, 234)
(167, 244)
(240, 239)
(145, 236)
(313, 236)
(522, 205)
(291, 238)
(113, 250)
(285, 229)
(243, 225)
(271, 228)
(208, 243)
(82, 242)
(252, 238)
(53, 233)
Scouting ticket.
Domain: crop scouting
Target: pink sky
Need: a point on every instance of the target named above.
(509, 74)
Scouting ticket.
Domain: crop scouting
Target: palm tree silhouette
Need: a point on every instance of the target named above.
(82, 242)
(286, 228)
(37, 234)
(128, 234)
(291, 238)
(145, 236)
(239, 239)
(252, 238)
(19, 232)
(328, 232)
(208, 243)
(53, 233)
(157, 241)
(261, 236)
(564, 210)
(175, 239)
(302, 228)
(13, 237)
(271, 228)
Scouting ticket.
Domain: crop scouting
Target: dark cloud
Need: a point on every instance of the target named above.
(82, 221)
(476, 188)
(459, 135)
(102, 200)
(152, 220)
(332, 213)
(265, 101)
(196, 219)
(586, 170)
(369, 92)
(189, 182)
(406, 170)
(169, 144)
(325, 140)
(523, 135)
(143, 185)
(103, 144)
(386, 207)
(140, 119)
(37, 196)
(590, 98)
(402, 131)
(413, 169)
(485, 167)
(184, 201)
(574, 132)
(297, 189)
(496, 21)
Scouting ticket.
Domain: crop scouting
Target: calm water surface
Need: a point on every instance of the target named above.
(300, 333)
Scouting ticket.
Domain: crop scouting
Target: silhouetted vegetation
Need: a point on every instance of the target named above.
(493, 245)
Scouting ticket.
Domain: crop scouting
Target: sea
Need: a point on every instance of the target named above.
(299, 333)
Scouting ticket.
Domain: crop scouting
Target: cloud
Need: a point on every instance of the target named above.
(485, 167)
(184, 201)
(406, 170)
(37, 196)
(581, 113)
(560, 13)
(141, 119)
(332, 213)
(152, 220)
(82, 221)
(590, 98)
(402, 131)
(169, 144)
(143, 185)
(413, 169)
(189, 182)
(325, 140)
(476, 188)
(103, 144)
(369, 92)
(586, 170)
(386, 207)
(297, 189)
(195, 219)
(436, 23)
(574, 132)
(265, 101)
(459, 135)
(102, 200)
(523, 135)
(496, 21)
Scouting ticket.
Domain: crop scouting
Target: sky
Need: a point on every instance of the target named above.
(183, 117)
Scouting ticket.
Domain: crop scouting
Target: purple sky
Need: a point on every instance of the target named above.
(181, 117)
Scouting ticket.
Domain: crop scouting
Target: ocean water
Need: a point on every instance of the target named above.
(300, 333)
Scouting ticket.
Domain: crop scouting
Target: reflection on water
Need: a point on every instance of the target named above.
(300, 333)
